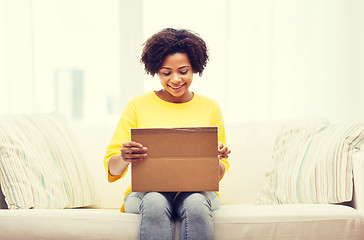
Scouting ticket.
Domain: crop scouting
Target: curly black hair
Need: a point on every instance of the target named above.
(170, 41)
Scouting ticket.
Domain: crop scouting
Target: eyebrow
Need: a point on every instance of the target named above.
(177, 68)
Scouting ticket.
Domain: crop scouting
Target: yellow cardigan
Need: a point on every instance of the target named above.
(149, 111)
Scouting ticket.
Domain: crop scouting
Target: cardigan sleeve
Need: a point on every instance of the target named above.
(219, 122)
(122, 134)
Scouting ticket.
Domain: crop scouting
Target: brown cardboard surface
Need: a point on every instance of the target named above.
(179, 159)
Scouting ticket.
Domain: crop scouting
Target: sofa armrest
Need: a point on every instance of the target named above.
(358, 173)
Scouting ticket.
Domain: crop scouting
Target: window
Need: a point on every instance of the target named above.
(61, 55)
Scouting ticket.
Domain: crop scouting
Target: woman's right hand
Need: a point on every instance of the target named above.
(133, 151)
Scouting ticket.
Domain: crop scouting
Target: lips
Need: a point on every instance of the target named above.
(176, 88)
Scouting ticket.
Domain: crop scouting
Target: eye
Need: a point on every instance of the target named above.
(184, 72)
(166, 73)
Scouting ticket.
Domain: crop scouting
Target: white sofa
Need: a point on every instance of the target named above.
(239, 218)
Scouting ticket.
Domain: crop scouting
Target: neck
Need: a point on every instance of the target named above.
(166, 96)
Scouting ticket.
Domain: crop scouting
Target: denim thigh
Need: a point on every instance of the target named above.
(133, 201)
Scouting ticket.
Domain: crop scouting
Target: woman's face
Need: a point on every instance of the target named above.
(176, 76)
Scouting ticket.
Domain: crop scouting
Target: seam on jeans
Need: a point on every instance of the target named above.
(208, 201)
(170, 213)
(214, 196)
(217, 205)
(141, 222)
(129, 197)
(172, 227)
(184, 208)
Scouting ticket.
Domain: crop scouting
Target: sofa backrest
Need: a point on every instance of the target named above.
(251, 144)
(94, 139)
(41, 163)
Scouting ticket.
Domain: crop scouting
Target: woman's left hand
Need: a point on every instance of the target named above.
(223, 151)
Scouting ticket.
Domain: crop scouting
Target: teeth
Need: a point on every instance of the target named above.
(176, 87)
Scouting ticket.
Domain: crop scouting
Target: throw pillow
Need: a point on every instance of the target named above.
(41, 165)
(312, 165)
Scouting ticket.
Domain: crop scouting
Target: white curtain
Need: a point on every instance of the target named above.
(269, 59)
(61, 55)
(290, 59)
(274, 59)
(16, 57)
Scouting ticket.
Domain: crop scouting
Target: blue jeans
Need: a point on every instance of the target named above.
(157, 210)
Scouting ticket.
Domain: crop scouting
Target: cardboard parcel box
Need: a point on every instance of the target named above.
(178, 159)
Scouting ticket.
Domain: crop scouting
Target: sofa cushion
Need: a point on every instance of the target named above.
(41, 165)
(233, 222)
(68, 224)
(313, 164)
(289, 221)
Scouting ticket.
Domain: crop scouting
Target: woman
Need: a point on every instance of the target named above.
(175, 56)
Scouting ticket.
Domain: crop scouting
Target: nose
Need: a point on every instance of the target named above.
(175, 78)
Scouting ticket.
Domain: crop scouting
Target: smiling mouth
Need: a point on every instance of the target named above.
(177, 88)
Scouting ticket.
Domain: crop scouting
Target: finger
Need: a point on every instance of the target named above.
(132, 144)
(134, 160)
(134, 150)
(134, 157)
(225, 154)
(223, 149)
